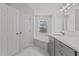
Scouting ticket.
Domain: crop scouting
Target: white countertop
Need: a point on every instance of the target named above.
(71, 41)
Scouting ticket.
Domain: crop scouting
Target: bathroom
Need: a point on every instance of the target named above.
(39, 29)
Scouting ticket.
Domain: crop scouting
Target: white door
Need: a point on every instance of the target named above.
(26, 35)
(13, 29)
(3, 29)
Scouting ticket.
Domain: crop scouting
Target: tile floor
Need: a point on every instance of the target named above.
(33, 51)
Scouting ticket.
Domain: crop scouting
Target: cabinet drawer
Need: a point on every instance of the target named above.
(67, 50)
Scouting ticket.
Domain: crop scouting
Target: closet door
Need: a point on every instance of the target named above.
(13, 29)
(3, 33)
(26, 29)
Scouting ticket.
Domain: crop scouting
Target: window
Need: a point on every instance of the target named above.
(43, 26)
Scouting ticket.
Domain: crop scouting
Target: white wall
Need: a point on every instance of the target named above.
(49, 9)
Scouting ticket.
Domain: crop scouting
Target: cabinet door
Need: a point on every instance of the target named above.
(77, 53)
(57, 51)
(13, 28)
(51, 46)
(63, 49)
(26, 27)
(3, 29)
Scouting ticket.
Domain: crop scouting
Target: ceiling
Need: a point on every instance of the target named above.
(44, 8)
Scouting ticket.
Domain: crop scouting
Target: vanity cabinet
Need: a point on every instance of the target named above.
(51, 46)
(62, 50)
(78, 54)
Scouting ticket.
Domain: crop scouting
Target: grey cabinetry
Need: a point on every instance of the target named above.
(51, 46)
(63, 50)
(77, 53)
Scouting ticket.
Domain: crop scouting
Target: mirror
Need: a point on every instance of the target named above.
(77, 20)
(69, 21)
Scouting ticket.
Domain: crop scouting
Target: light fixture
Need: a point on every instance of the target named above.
(66, 6)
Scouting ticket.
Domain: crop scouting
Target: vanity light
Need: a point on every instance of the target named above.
(66, 6)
